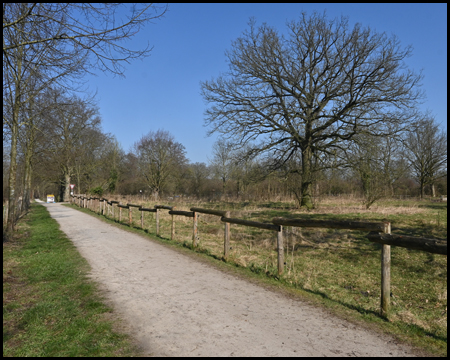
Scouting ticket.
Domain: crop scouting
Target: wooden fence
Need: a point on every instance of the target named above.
(379, 232)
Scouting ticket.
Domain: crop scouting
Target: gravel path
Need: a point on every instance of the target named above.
(174, 305)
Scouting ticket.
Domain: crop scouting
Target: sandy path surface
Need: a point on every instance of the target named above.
(174, 305)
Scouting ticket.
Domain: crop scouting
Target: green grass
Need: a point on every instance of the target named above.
(339, 269)
(50, 307)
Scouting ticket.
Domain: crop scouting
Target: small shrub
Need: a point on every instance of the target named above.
(97, 191)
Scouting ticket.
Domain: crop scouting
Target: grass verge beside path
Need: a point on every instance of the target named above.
(50, 307)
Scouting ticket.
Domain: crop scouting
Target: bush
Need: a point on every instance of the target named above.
(97, 191)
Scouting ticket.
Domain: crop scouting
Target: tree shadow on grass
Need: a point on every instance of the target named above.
(413, 328)
(434, 206)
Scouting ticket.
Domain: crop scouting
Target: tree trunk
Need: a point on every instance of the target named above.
(306, 182)
(433, 190)
(27, 181)
(13, 162)
(12, 177)
(66, 196)
(29, 149)
(223, 186)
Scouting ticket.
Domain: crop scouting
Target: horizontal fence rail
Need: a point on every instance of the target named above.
(164, 207)
(134, 205)
(332, 224)
(256, 224)
(147, 209)
(434, 246)
(183, 213)
(379, 232)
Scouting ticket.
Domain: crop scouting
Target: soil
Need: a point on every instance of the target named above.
(175, 305)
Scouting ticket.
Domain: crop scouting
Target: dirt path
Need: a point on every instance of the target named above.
(176, 306)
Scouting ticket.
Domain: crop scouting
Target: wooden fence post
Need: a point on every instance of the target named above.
(120, 213)
(142, 219)
(172, 236)
(194, 235)
(386, 275)
(280, 250)
(129, 215)
(226, 242)
(157, 222)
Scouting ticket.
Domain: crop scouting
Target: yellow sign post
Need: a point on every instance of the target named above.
(50, 198)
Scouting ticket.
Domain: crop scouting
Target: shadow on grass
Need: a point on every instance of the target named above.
(409, 327)
(434, 206)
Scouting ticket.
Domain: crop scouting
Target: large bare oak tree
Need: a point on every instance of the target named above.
(309, 92)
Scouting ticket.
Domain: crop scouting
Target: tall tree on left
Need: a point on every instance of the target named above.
(45, 44)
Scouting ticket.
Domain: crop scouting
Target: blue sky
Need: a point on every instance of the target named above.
(163, 90)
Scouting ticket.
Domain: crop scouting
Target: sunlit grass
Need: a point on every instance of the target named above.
(50, 307)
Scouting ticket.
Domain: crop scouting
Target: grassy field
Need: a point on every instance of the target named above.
(339, 268)
(50, 307)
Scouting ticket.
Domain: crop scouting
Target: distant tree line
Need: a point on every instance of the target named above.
(74, 150)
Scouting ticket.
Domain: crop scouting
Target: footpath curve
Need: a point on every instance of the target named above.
(174, 305)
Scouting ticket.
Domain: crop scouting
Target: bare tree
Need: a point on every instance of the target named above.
(426, 152)
(223, 163)
(198, 174)
(25, 76)
(96, 30)
(111, 159)
(312, 91)
(366, 157)
(44, 43)
(73, 136)
(159, 158)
